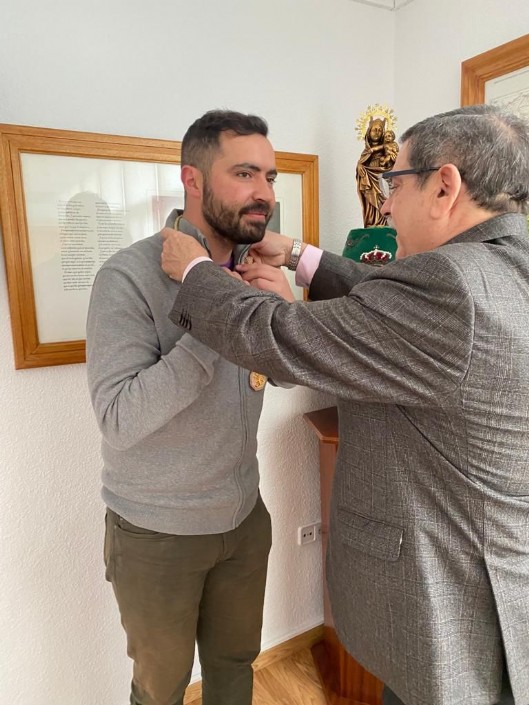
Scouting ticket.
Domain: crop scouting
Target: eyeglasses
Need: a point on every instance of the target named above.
(385, 181)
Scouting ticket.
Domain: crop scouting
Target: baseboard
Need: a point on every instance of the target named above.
(268, 657)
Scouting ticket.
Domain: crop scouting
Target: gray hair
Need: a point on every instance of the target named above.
(489, 146)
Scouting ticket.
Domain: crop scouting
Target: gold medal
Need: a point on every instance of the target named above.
(257, 381)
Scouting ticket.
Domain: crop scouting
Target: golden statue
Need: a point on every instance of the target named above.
(380, 151)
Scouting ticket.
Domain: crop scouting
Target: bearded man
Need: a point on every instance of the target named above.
(187, 533)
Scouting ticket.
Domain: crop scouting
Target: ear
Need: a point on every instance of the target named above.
(193, 181)
(448, 190)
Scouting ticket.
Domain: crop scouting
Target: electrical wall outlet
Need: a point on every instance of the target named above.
(309, 533)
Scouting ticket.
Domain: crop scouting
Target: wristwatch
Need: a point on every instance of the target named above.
(294, 255)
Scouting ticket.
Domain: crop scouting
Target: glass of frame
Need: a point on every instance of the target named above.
(69, 200)
(499, 76)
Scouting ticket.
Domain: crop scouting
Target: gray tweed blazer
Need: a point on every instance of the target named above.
(428, 357)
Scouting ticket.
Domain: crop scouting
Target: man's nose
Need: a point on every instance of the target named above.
(264, 191)
(385, 209)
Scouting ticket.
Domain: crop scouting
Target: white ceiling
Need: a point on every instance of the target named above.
(385, 4)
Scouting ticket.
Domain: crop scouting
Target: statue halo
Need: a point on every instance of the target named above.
(382, 112)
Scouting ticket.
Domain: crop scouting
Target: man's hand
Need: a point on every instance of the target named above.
(267, 278)
(274, 249)
(178, 251)
(235, 275)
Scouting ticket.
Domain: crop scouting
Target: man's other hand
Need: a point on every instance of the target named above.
(178, 251)
(274, 249)
(235, 275)
(268, 278)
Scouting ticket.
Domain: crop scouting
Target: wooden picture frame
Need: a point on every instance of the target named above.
(28, 154)
(502, 60)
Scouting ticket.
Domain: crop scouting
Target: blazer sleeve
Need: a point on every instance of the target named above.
(402, 335)
(336, 276)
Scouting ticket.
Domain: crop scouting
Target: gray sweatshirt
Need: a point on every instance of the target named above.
(179, 423)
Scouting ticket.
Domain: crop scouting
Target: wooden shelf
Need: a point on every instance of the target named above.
(324, 423)
(344, 680)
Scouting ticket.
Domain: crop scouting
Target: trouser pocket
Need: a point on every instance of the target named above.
(108, 546)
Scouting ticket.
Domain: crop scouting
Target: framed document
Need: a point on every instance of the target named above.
(499, 76)
(69, 200)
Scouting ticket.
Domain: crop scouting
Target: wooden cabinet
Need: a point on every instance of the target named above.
(344, 680)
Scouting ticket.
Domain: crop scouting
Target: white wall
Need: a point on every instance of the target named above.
(149, 69)
(433, 37)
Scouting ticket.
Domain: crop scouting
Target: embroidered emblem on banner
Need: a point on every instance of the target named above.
(257, 381)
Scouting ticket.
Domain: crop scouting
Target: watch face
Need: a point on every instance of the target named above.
(294, 255)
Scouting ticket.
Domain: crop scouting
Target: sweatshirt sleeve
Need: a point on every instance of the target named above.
(135, 390)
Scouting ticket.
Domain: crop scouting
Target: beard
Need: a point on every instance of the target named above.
(227, 221)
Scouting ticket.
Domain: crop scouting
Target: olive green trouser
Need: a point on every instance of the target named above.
(172, 590)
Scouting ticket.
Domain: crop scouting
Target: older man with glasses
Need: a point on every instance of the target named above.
(428, 357)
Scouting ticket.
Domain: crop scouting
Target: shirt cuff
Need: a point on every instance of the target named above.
(192, 264)
(307, 265)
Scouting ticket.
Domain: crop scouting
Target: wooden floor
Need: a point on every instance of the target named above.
(290, 681)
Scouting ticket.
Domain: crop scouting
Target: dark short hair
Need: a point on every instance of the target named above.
(489, 146)
(202, 139)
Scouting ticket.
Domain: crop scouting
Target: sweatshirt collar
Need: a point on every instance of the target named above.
(239, 251)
